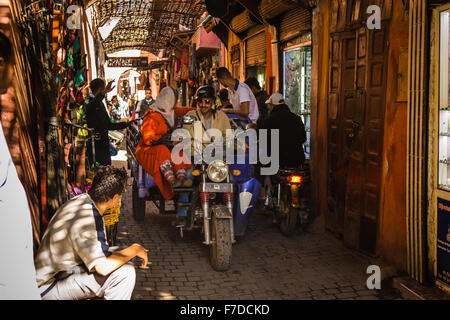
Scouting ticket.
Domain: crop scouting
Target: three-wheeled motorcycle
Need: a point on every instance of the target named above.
(219, 202)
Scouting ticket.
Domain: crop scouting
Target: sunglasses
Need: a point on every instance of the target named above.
(205, 101)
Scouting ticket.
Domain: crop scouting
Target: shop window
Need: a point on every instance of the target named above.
(297, 87)
(444, 108)
(258, 72)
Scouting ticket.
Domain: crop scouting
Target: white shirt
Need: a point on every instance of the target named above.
(17, 272)
(74, 236)
(242, 93)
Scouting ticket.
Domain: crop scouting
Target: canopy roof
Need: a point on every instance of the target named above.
(145, 24)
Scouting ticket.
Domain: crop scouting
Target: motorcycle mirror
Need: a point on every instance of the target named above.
(188, 119)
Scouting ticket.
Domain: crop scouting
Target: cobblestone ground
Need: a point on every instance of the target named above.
(265, 265)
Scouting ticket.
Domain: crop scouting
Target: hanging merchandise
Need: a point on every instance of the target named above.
(36, 29)
(193, 72)
(184, 64)
(177, 70)
(147, 82)
(143, 79)
(59, 71)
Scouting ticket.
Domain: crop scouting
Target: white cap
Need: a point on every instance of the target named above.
(276, 99)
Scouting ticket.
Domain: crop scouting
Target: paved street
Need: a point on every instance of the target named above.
(265, 265)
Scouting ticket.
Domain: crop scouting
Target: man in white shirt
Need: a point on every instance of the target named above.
(74, 261)
(17, 272)
(241, 96)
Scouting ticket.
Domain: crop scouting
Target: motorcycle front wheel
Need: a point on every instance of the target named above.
(221, 246)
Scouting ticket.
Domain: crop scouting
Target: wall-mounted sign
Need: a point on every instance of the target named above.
(136, 62)
(443, 241)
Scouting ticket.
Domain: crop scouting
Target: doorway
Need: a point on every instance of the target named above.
(356, 102)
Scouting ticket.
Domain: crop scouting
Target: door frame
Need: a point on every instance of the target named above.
(433, 147)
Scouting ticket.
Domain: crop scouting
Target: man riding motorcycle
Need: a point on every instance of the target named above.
(292, 131)
(209, 117)
(287, 192)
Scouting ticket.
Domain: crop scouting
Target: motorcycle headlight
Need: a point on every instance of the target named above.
(217, 171)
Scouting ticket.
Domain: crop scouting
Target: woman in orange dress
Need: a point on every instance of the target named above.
(156, 159)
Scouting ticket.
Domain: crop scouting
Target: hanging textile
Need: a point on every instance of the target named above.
(184, 64)
(59, 70)
(193, 72)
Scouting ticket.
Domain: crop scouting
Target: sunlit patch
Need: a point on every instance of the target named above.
(60, 235)
(166, 296)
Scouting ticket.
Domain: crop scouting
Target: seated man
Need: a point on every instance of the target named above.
(74, 261)
(292, 131)
(209, 118)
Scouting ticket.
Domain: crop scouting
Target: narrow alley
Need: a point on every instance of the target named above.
(266, 265)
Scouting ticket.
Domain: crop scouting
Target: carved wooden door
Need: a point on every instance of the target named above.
(355, 134)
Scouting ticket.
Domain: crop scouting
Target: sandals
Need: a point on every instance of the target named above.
(176, 183)
(187, 183)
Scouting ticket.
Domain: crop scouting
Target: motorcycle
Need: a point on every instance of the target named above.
(287, 196)
(219, 202)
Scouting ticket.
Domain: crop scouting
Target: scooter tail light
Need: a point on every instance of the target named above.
(295, 179)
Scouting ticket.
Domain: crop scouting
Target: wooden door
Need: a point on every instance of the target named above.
(355, 134)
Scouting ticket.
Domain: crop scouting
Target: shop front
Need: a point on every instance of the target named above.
(295, 45)
(208, 57)
(255, 55)
(439, 146)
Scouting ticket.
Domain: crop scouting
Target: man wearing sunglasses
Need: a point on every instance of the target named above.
(209, 117)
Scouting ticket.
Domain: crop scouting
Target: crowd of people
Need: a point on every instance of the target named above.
(74, 260)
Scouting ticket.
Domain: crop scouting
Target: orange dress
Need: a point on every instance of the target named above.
(150, 157)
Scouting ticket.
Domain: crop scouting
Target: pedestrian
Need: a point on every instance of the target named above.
(74, 260)
(242, 98)
(261, 98)
(97, 118)
(17, 271)
(291, 129)
(114, 110)
(131, 106)
(145, 104)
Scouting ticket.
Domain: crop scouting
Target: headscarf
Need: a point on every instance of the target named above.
(165, 105)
